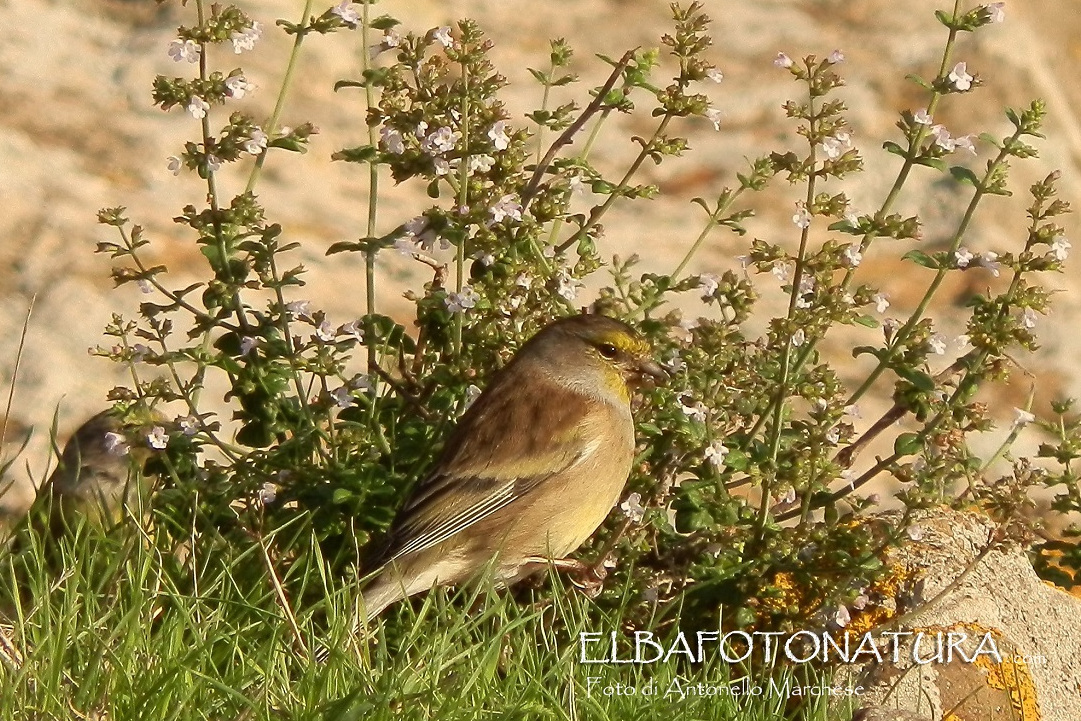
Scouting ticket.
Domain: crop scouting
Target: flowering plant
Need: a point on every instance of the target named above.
(746, 490)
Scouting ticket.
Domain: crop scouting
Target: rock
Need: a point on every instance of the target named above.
(880, 713)
(967, 600)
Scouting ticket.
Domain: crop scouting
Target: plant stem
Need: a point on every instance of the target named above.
(283, 91)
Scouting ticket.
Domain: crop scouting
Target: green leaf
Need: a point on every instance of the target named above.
(920, 258)
(892, 147)
(921, 380)
(344, 246)
(866, 321)
(384, 22)
(867, 350)
(291, 144)
(963, 175)
(359, 154)
(348, 84)
(919, 81)
(737, 460)
(538, 76)
(988, 138)
(907, 444)
(936, 163)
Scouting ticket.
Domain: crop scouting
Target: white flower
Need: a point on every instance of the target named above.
(852, 410)
(915, 532)
(1028, 318)
(962, 341)
(1022, 418)
(157, 438)
(996, 12)
(245, 39)
(842, 617)
(443, 166)
(391, 140)
(420, 229)
(116, 444)
(781, 270)
(715, 453)
(833, 435)
(577, 185)
(498, 135)
(881, 301)
(145, 286)
(299, 309)
(922, 117)
(942, 138)
(247, 343)
(507, 207)
(461, 302)
(708, 284)
(806, 291)
(238, 86)
(568, 285)
(523, 281)
(174, 165)
(189, 425)
(198, 107)
(440, 140)
(347, 11)
(213, 162)
(632, 507)
(962, 257)
(799, 337)
(696, 412)
(1060, 248)
(860, 602)
(181, 50)
(139, 352)
(965, 142)
(853, 256)
(257, 143)
(442, 36)
(837, 145)
(989, 260)
(361, 382)
(267, 494)
(343, 397)
(391, 39)
(836, 57)
(406, 246)
(481, 163)
(937, 343)
(715, 75)
(890, 326)
(959, 77)
(713, 115)
(472, 393)
(782, 61)
(325, 332)
(802, 218)
(486, 259)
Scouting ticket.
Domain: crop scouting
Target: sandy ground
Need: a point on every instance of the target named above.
(78, 132)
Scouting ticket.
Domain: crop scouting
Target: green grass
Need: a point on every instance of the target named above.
(108, 627)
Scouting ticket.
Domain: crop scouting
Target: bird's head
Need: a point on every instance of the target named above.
(595, 352)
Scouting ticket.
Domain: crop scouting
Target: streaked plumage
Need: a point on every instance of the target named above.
(532, 468)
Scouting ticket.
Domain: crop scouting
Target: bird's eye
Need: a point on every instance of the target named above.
(608, 350)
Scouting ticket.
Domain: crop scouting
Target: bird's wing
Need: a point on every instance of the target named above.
(504, 446)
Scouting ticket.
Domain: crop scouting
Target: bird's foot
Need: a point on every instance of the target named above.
(587, 577)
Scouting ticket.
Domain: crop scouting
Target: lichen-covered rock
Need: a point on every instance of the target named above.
(996, 600)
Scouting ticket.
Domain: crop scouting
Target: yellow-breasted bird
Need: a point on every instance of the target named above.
(532, 468)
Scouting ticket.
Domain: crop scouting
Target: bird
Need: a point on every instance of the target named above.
(531, 469)
(95, 477)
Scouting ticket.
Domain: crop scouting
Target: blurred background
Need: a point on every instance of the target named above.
(78, 132)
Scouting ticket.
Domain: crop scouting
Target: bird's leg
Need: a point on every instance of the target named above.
(586, 576)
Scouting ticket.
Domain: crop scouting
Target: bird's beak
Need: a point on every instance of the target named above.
(651, 368)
